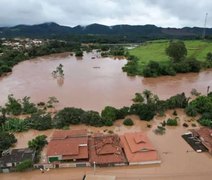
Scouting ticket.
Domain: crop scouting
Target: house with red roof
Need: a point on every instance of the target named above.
(138, 149)
(68, 146)
(204, 134)
(106, 150)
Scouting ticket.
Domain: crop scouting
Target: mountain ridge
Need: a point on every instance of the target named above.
(51, 30)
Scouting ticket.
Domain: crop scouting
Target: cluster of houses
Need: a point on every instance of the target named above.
(19, 43)
(78, 148)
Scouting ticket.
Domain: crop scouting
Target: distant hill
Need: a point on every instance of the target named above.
(53, 30)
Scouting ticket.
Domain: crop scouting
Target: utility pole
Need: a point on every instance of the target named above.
(204, 29)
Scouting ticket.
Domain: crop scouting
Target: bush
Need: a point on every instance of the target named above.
(205, 122)
(24, 165)
(79, 53)
(160, 130)
(175, 113)
(128, 122)
(191, 110)
(171, 122)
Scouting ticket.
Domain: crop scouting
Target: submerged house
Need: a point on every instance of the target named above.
(68, 146)
(106, 150)
(11, 158)
(138, 149)
(204, 134)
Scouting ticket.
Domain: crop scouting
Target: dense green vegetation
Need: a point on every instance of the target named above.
(146, 105)
(37, 144)
(24, 165)
(201, 105)
(158, 58)
(6, 141)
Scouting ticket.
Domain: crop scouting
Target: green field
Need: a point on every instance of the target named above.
(155, 50)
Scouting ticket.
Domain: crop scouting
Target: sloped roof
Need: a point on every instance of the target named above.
(206, 137)
(138, 148)
(106, 149)
(62, 134)
(69, 144)
(18, 155)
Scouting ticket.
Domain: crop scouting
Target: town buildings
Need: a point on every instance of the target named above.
(11, 158)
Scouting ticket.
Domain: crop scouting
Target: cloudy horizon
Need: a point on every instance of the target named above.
(163, 13)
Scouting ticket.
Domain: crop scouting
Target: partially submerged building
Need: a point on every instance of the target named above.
(68, 146)
(106, 150)
(11, 158)
(138, 149)
(204, 135)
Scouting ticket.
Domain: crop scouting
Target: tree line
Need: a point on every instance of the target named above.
(179, 63)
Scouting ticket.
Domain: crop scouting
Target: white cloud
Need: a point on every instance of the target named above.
(163, 13)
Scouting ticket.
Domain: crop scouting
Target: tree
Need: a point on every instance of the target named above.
(144, 111)
(52, 101)
(28, 107)
(176, 50)
(39, 121)
(6, 141)
(109, 113)
(138, 98)
(38, 143)
(13, 106)
(209, 57)
(92, 118)
(79, 53)
(67, 116)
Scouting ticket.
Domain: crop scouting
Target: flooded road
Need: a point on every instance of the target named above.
(91, 83)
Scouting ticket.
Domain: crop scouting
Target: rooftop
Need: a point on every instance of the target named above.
(205, 136)
(70, 144)
(17, 155)
(106, 149)
(138, 148)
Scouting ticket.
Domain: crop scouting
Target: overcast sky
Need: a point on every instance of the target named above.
(165, 13)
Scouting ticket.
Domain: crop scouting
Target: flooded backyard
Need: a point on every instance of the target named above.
(95, 83)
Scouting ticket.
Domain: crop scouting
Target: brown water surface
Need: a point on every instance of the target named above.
(91, 83)
(95, 83)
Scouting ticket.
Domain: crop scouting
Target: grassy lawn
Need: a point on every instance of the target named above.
(155, 50)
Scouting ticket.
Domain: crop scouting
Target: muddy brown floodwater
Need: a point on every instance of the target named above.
(93, 84)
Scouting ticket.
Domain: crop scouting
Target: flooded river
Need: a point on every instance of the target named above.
(91, 83)
(94, 83)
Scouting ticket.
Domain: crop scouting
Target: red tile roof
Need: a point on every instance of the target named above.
(206, 137)
(138, 148)
(105, 150)
(69, 144)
